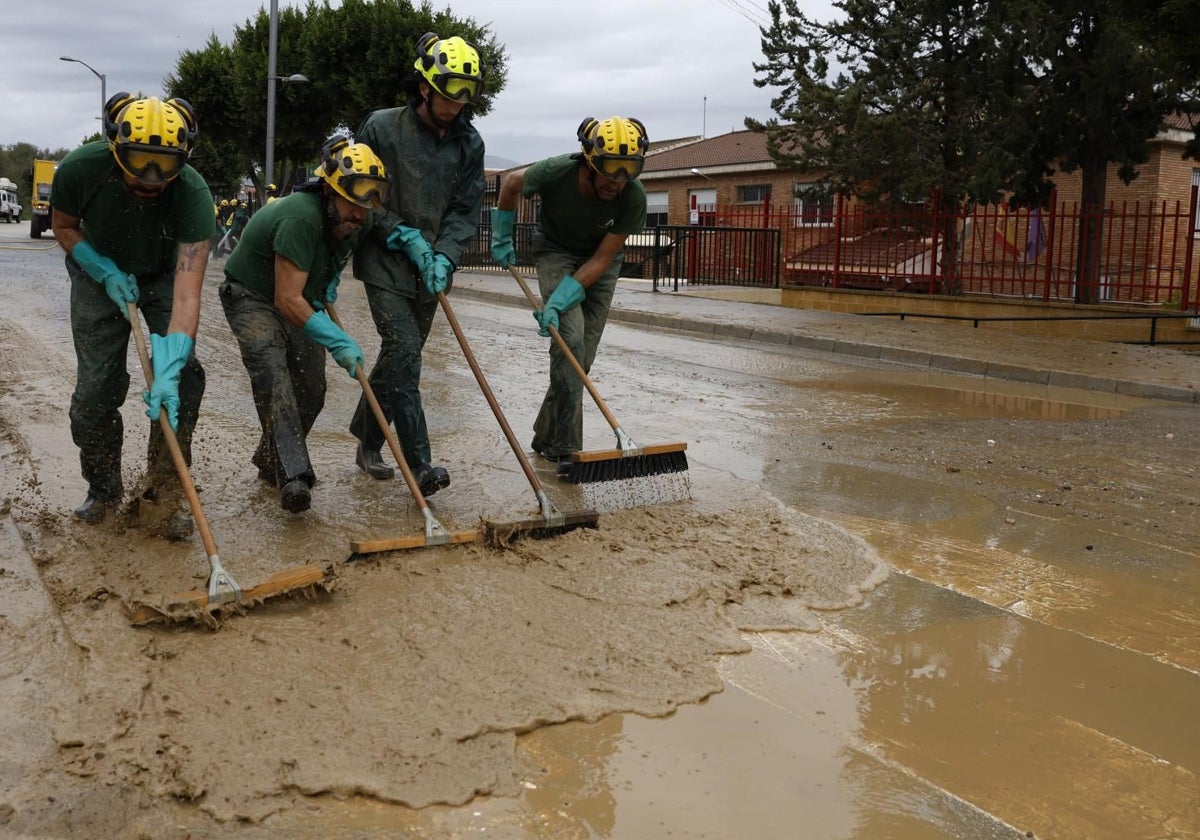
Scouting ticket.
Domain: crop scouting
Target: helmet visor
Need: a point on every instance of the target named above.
(458, 87)
(619, 167)
(364, 190)
(152, 164)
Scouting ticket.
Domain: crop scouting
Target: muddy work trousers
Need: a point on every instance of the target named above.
(558, 429)
(403, 324)
(287, 378)
(101, 335)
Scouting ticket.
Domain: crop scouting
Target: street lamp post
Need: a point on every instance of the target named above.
(272, 78)
(702, 175)
(98, 75)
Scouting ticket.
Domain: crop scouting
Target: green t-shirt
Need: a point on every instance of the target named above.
(293, 227)
(575, 223)
(140, 235)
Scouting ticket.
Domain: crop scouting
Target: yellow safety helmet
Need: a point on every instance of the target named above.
(354, 171)
(151, 139)
(272, 188)
(614, 147)
(224, 202)
(451, 66)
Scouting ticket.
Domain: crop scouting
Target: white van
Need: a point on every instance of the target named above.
(10, 208)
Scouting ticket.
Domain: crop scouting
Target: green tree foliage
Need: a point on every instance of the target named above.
(355, 54)
(204, 78)
(885, 100)
(1105, 75)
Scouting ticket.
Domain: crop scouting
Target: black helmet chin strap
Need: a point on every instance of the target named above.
(335, 218)
(433, 117)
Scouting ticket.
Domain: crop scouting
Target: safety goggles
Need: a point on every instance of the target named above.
(458, 87)
(619, 167)
(151, 164)
(364, 190)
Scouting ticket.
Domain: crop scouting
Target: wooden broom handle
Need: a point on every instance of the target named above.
(534, 482)
(566, 351)
(181, 467)
(381, 419)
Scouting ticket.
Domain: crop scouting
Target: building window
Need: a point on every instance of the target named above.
(814, 206)
(1196, 185)
(656, 208)
(702, 207)
(753, 193)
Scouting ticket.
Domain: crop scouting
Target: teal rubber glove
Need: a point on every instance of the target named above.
(344, 349)
(411, 242)
(331, 289)
(503, 250)
(566, 296)
(169, 354)
(437, 277)
(120, 287)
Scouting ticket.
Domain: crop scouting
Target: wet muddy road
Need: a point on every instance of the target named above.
(896, 604)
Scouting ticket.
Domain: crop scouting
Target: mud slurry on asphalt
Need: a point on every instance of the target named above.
(411, 683)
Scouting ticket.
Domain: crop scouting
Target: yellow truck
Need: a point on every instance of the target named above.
(41, 177)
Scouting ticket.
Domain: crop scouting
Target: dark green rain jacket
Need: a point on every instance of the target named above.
(436, 186)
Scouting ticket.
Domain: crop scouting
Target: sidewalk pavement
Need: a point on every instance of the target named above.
(1161, 372)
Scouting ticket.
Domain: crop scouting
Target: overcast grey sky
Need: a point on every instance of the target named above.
(684, 67)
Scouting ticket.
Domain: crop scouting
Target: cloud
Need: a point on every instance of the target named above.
(684, 67)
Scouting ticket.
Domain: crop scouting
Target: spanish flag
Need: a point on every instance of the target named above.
(1006, 232)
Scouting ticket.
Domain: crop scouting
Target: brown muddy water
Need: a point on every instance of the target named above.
(886, 604)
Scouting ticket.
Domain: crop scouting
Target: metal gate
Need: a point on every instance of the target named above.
(700, 255)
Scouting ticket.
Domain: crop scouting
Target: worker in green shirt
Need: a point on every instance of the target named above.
(286, 266)
(591, 201)
(135, 220)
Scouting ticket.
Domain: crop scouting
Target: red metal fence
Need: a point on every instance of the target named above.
(1145, 254)
(1146, 249)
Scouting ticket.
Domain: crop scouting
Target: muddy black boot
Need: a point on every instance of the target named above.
(92, 510)
(430, 478)
(563, 471)
(163, 513)
(295, 497)
(371, 462)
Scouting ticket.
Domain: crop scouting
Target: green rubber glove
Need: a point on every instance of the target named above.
(411, 242)
(120, 287)
(568, 294)
(503, 250)
(437, 277)
(344, 349)
(169, 354)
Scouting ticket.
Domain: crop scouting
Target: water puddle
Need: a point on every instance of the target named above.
(907, 392)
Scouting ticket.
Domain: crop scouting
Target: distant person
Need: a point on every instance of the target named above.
(272, 193)
(591, 201)
(221, 210)
(135, 220)
(435, 157)
(277, 281)
(238, 220)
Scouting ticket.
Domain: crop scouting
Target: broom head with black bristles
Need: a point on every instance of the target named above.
(620, 464)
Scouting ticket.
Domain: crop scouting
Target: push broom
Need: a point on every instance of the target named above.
(552, 521)
(435, 532)
(628, 460)
(222, 588)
